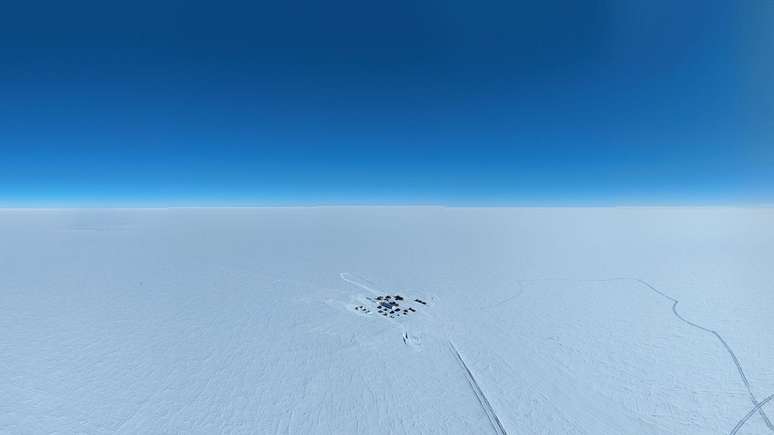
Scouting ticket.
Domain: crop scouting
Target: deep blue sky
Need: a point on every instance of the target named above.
(457, 102)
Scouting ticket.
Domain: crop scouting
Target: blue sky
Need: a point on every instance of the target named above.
(402, 102)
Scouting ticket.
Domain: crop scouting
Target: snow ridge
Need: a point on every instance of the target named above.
(482, 400)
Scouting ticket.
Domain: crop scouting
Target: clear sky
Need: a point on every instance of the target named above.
(451, 102)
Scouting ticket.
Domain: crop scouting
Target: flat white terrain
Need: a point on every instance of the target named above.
(387, 320)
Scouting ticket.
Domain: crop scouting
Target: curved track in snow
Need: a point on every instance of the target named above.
(756, 408)
(757, 405)
(492, 416)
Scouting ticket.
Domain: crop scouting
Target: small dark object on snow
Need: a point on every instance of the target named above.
(412, 309)
(398, 297)
(421, 302)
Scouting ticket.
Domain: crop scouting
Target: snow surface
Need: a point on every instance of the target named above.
(531, 321)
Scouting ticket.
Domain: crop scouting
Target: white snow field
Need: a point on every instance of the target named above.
(278, 321)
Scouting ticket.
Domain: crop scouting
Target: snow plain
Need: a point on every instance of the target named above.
(534, 321)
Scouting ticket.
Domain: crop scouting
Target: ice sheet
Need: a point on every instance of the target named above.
(524, 321)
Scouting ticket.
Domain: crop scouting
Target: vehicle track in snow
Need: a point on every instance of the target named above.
(494, 420)
(757, 405)
(359, 281)
(482, 400)
(737, 363)
(752, 412)
(413, 341)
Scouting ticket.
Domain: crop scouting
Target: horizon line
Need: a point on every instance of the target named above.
(390, 205)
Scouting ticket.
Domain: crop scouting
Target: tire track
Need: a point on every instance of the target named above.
(367, 285)
(752, 412)
(482, 400)
(492, 416)
(506, 300)
(358, 281)
(756, 404)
